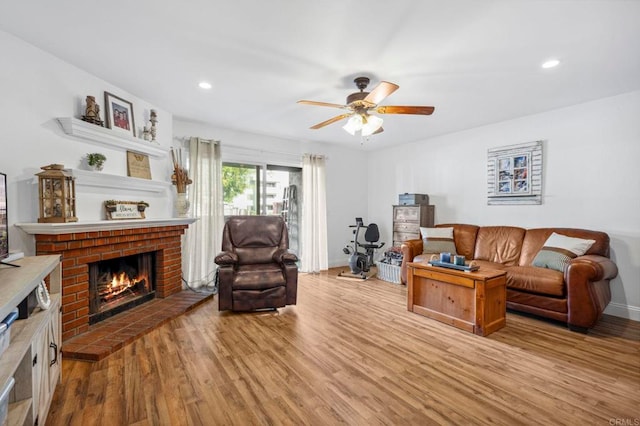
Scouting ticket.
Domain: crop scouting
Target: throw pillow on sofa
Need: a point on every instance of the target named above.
(558, 251)
(437, 240)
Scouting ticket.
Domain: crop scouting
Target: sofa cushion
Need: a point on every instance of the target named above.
(464, 237)
(536, 280)
(500, 244)
(437, 240)
(258, 276)
(536, 237)
(486, 264)
(558, 250)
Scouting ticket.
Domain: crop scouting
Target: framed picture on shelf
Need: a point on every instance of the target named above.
(119, 114)
(138, 165)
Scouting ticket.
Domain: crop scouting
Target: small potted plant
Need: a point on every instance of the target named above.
(110, 205)
(96, 160)
(142, 205)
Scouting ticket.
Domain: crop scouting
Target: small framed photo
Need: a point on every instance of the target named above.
(138, 165)
(119, 114)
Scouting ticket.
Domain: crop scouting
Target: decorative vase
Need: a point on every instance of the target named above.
(182, 204)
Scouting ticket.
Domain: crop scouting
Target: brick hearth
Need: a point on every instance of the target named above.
(78, 249)
(108, 336)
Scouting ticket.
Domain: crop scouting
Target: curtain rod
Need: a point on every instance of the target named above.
(186, 139)
(261, 150)
(298, 155)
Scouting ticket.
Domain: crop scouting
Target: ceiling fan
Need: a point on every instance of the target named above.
(360, 104)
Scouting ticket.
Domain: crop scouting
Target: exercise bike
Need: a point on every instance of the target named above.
(361, 254)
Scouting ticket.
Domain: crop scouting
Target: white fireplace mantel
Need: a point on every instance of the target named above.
(104, 136)
(102, 225)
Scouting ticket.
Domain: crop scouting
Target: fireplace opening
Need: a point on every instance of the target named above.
(119, 284)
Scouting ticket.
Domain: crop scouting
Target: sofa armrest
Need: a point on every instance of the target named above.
(226, 262)
(600, 267)
(410, 249)
(226, 258)
(588, 292)
(283, 256)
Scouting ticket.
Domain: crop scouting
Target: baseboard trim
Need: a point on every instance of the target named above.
(623, 311)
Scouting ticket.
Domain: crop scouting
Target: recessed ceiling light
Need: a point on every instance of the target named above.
(551, 63)
(205, 85)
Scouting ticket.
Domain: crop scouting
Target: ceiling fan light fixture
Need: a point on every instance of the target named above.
(361, 103)
(372, 124)
(353, 124)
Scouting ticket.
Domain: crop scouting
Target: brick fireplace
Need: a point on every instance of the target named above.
(81, 244)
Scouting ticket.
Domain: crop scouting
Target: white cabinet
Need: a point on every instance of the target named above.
(35, 341)
(46, 364)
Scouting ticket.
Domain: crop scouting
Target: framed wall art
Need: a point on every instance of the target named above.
(138, 165)
(514, 174)
(119, 114)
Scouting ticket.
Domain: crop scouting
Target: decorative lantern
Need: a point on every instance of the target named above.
(57, 194)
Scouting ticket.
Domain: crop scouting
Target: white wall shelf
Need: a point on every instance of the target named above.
(87, 131)
(104, 180)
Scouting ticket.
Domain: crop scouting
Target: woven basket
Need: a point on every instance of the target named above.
(388, 272)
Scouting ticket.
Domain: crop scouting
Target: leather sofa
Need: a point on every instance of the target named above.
(256, 268)
(577, 296)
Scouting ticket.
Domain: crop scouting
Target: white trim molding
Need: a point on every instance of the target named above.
(624, 311)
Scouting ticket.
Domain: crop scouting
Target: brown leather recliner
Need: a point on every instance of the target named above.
(256, 268)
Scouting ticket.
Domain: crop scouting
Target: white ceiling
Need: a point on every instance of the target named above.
(477, 62)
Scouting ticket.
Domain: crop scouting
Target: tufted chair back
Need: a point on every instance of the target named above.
(255, 239)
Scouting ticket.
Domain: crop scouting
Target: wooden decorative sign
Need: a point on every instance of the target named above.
(118, 210)
(138, 165)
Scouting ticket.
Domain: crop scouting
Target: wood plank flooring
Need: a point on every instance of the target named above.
(350, 353)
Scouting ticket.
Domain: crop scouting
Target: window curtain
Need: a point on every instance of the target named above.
(313, 243)
(203, 238)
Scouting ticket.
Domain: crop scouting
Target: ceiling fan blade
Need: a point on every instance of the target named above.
(325, 104)
(389, 109)
(380, 92)
(380, 130)
(330, 121)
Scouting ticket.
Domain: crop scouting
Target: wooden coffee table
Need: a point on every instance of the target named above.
(471, 301)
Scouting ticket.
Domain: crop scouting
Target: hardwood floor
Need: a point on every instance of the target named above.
(351, 353)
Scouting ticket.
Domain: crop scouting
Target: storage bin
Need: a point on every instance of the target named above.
(408, 199)
(4, 399)
(388, 272)
(5, 331)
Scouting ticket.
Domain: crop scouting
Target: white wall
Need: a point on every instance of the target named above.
(590, 180)
(37, 87)
(346, 172)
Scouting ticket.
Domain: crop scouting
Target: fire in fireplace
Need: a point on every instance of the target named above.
(119, 284)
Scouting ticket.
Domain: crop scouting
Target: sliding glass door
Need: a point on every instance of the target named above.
(265, 189)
